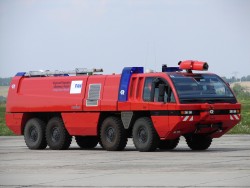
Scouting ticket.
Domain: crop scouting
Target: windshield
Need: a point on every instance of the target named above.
(202, 88)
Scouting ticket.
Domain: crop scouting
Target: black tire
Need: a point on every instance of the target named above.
(86, 142)
(57, 136)
(168, 144)
(113, 135)
(34, 134)
(198, 142)
(145, 137)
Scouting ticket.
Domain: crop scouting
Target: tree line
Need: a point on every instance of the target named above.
(5, 81)
(234, 79)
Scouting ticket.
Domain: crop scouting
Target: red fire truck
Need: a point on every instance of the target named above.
(152, 108)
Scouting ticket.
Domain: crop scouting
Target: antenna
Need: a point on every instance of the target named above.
(155, 56)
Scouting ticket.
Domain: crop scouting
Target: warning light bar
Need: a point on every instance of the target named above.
(190, 65)
(77, 71)
(165, 68)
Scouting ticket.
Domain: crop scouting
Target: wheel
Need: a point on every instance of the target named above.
(198, 142)
(86, 142)
(57, 136)
(145, 137)
(113, 135)
(168, 144)
(34, 134)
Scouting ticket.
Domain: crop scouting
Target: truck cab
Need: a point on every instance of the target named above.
(199, 106)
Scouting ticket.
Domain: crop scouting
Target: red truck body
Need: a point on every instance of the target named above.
(86, 103)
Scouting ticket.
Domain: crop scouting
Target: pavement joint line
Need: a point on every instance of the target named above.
(225, 179)
(92, 176)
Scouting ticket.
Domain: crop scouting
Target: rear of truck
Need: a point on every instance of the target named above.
(36, 96)
(50, 108)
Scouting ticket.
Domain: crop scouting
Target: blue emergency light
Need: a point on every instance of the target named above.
(165, 68)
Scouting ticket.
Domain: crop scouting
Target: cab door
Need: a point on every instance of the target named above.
(159, 95)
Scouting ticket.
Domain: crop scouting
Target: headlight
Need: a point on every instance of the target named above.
(234, 111)
(186, 112)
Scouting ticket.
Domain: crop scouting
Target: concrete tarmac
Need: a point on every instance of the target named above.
(225, 164)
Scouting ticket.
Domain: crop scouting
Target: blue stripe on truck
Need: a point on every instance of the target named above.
(124, 82)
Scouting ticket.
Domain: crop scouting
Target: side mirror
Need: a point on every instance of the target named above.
(161, 92)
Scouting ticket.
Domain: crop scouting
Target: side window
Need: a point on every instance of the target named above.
(147, 88)
(152, 83)
(172, 99)
(168, 94)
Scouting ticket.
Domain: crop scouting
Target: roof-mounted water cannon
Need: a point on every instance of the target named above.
(190, 65)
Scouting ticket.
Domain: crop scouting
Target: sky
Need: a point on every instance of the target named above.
(111, 34)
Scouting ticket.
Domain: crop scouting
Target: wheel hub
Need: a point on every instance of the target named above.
(55, 134)
(142, 135)
(110, 134)
(33, 134)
